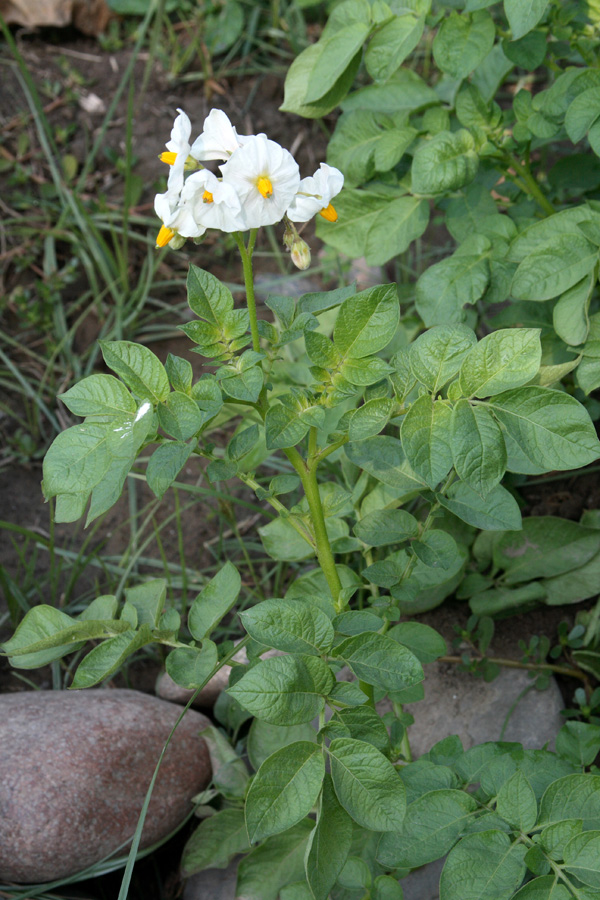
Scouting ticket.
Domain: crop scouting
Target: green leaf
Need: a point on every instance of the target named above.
(265, 739)
(444, 288)
(572, 797)
(478, 447)
(554, 267)
(462, 42)
(436, 549)
(370, 418)
(528, 52)
(77, 460)
(399, 222)
(46, 634)
(499, 510)
(386, 888)
(284, 789)
(276, 863)
(550, 428)
(579, 742)
(538, 235)
(139, 368)
(220, 470)
(283, 427)
(245, 386)
(386, 526)
(378, 659)
(426, 434)
(570, 315)
(207, 395)
(582, 113)
(296, 80)
(445, 163)
(99, 395)
(148, 599)
(402, 221)
(328, 845)
(365, 142)
(432, 825)
(208, 297)
(367, 321)
(516, 802)
(503, 359)
(382, 456)
(364, 724)
(335, 55)
(405, 91)
(179, 416)
(392, 43)
(165, 464)
(582, 858)
(180, 373)
(364, 372)
(214, 601)
(485, 866)
(215, 841)
(422, 640)
(523, 15)
(437, 354)
(191, 667)
(367, 785)
(546, 546)
(544, 888)
(109, 656)
(285, 690)
(281, 541)
(293, 626)
(554, 837)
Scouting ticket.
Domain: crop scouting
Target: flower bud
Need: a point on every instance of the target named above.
(300, 253)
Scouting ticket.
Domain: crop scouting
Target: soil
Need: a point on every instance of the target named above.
(252, 103)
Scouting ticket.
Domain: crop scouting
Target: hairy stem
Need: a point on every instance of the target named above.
(246, 255)
(528, 183)
(532, 667)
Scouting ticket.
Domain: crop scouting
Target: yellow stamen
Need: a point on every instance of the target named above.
(207, 197)
(264, 186)
(168, 157)
(164, 236)
(329, 213)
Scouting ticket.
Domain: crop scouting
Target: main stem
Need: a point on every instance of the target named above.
(324, 551)
(529, 184)
(307, 473)
(246, 254)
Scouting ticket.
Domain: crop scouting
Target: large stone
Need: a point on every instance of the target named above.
(74, 771)
(458, 703)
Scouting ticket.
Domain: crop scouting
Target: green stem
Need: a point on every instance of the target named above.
(246, 254)
(529, 183)
(515, 664)
(308, 476)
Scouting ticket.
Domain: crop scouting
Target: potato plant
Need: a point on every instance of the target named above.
(396, 452)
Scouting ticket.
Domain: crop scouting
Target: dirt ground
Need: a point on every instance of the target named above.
(252, 104)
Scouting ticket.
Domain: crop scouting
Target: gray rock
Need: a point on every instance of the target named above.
(74, 770)
(212, 884)
(457, 703)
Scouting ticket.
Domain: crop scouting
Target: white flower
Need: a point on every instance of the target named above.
(178, 150)
(178, 223)
(315, 194)
(265, 177)
(207, 202)
(218, 140)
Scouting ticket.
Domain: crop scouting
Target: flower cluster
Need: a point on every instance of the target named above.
(259, 185)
